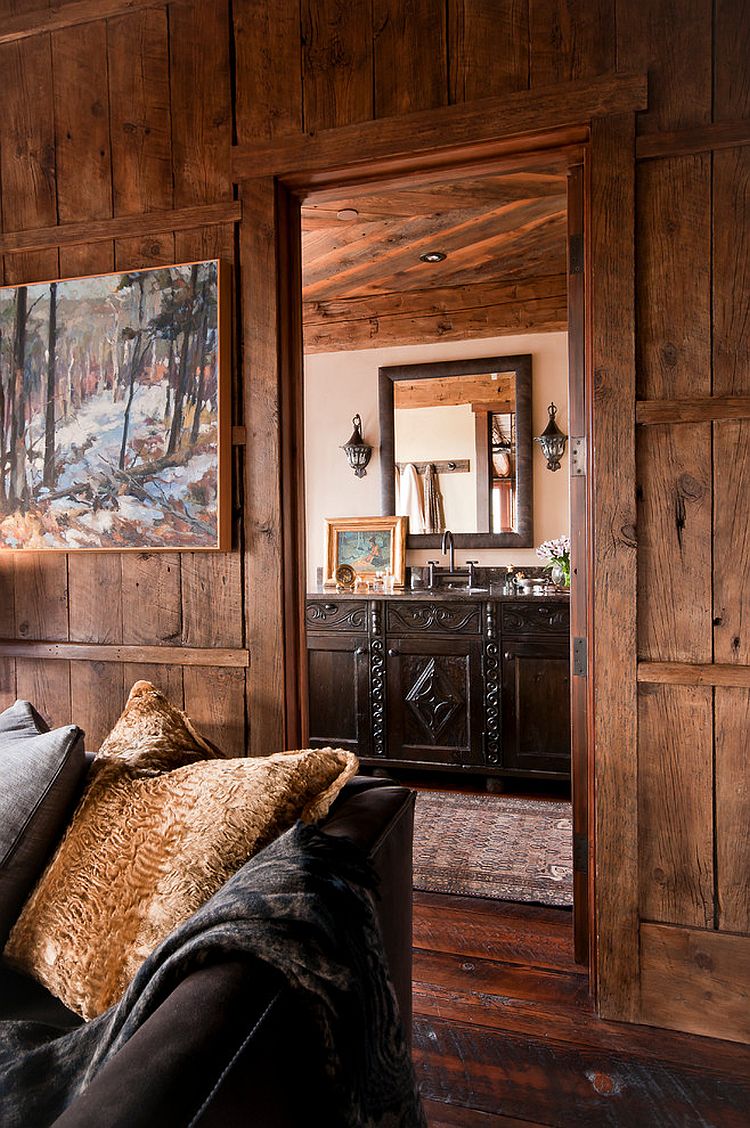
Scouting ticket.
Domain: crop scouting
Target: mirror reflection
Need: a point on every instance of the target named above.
(455, 453)
(456, 448)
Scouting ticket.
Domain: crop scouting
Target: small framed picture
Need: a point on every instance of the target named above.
(367, 544)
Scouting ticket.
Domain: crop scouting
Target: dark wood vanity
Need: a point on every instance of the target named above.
(442, 681)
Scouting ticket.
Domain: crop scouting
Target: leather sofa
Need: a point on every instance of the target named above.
(223, 1056)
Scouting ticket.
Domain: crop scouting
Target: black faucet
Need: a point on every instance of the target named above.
(447, 546)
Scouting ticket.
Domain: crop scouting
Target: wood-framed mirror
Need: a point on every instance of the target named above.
(464, 426)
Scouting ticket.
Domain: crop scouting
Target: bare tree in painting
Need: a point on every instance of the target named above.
(182, 379)
(137, 355)
(202, 348)
(17, 483)
(49, 421)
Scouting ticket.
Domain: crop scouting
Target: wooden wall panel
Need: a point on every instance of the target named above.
(674, 807)
(731, 52)
(37, 586)
(570, 39)
(732, 809)
(671, 39)
(696, 980)
(337, 62)
(214, 700)
(82, 140)
(411, 61)
(268, 94)
(47, 685)
(139, 112)
(673, 273)
(96, 698)
(488, 48)
(731, 376)
(674, 543)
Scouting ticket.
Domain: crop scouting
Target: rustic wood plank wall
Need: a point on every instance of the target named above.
(85, 136)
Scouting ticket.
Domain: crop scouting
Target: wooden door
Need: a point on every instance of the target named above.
(536, 706)
(434, 688)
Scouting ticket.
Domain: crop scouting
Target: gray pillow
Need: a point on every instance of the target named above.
(40, 776)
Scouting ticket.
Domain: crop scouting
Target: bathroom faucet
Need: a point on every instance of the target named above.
(447, 546)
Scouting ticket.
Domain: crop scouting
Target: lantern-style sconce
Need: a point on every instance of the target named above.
(552, 441)
(357, 450)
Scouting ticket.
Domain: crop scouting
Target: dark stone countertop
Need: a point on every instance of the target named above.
(443, 595)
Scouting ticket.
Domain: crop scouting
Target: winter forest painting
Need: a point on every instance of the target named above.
(109, 411)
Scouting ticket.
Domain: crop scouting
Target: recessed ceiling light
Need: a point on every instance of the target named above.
(432, 256)
(347, 213)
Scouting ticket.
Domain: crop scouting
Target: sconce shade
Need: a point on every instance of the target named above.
(552, 441)
(357, 450)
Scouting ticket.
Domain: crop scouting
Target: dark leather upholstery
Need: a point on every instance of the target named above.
(222, 1045)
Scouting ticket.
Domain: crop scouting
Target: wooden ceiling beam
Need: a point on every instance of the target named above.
(416, 317)
(452, 391)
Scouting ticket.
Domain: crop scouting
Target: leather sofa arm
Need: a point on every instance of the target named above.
(217, 1052)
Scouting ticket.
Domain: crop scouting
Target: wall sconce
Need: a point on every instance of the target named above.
(552, 441)
(357, 450)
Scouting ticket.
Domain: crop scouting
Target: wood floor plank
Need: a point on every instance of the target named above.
(473, 926)
(505, 1033)
(452, 1116)
(560, 1085)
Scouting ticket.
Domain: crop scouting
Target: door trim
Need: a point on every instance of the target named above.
(273, 365)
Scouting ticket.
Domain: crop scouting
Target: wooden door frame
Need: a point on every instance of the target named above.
(595, 121)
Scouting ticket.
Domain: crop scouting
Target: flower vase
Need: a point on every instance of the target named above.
(558, 576)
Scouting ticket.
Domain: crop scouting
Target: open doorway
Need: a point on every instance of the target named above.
(435, 312)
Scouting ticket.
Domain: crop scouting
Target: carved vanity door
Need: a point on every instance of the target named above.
(337, 671)
(536, 705)
(435, 700)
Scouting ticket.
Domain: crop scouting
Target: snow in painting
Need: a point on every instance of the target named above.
(109, 411)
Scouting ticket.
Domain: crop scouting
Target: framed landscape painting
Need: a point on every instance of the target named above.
(115, 429)
(366, 544)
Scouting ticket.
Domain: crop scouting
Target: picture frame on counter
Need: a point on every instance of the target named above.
(368, 545)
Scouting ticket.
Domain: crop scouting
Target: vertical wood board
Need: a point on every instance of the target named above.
(337, 62)
(614, 563)
(732, 809)
(674, 543)
(570, 39)
(675, 781)
(411, 62)
(673, 278)
(488, 48)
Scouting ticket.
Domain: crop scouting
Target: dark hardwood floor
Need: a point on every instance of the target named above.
(505, 1034)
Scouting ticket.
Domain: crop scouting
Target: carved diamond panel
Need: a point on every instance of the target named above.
(433, 700)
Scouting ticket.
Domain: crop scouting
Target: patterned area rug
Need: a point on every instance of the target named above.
(494, 846)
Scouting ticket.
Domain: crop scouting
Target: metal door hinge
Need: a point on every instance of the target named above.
(580, 658)
(578, 457)
(575, 254)
(580, 853)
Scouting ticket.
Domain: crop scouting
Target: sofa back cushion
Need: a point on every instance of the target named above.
(152, 839)
(40, 776)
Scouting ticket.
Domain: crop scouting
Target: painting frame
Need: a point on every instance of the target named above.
(222, 366)
(391, 527)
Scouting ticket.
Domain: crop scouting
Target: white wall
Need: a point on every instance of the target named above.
(437, 434)
(338, 385)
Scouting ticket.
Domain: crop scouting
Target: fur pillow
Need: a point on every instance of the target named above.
(152, 839)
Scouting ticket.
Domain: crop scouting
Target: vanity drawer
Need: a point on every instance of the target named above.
(541, 617)
(336, 615)
(425, 617)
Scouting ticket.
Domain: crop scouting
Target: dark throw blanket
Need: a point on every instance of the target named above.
(300, 906)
